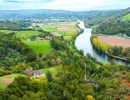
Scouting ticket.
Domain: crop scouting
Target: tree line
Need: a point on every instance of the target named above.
(111, 50)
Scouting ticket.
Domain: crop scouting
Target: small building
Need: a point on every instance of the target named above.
(29, 71)
(38, 38)
(37, 73)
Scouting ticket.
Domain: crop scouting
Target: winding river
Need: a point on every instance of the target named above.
(83, 42)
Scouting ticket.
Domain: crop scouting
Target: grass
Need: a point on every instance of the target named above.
(26, 34)
(6, 31)
(53, 70)
(39, 46)
(6, 80)
(126, 17)
(49, 28)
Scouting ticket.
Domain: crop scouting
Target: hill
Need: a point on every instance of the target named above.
(116, 24)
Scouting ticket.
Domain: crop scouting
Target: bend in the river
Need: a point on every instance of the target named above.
(83, 42)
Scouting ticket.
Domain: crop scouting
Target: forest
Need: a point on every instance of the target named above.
(78, 76)
(101, 81)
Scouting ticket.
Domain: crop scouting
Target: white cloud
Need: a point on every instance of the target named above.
(75, 5)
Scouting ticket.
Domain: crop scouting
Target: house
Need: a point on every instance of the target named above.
(39, 38)
(29, 71)
(37, 73)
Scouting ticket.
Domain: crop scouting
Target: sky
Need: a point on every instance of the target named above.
(72, 5)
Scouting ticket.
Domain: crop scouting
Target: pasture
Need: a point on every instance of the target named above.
(6, 31)
(126, 17)
(39, 46)
(26, 34)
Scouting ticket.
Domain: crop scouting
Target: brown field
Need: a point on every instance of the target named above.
(115, 41)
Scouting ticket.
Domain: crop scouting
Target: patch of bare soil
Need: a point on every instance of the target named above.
(7, 80)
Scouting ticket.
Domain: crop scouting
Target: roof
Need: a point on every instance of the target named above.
(29, 71)
(37, 72)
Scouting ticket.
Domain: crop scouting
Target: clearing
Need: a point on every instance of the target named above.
(39, 46)
(115, 41)
(126, 17)
(7, 79)
(53, 70)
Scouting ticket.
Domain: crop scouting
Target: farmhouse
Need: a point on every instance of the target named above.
(37, 73)
(39, 38)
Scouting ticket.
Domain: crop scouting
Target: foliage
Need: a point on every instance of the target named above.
(119, 52)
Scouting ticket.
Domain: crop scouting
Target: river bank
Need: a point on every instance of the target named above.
(83, 42)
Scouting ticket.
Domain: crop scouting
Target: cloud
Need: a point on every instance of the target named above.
(75, 5)
(28, 1)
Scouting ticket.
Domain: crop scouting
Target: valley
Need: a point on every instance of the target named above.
(64, 55)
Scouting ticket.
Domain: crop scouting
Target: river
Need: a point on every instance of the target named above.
(83, 42)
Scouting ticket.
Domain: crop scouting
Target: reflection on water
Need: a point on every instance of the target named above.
(83, 42)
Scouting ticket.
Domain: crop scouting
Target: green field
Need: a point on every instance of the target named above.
(7, 31)
(49, 28)
(39, 46)
(126, 17)
(6, 80)
(26, 34)
(53, 70)
(63, 28)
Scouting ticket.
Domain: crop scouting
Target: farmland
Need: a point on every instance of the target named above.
(62, 28)
(39, 46)
(26, 34)
(115, 41)
(6, 31)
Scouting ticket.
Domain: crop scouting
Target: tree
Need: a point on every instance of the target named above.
(89, 97)
(74, 35)
(49, 76)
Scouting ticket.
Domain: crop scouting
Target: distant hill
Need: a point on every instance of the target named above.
(117, 24)
(46, 14)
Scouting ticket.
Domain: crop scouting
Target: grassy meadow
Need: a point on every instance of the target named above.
(39, 46)
(6, 31)
(26, 34)
(126, 17)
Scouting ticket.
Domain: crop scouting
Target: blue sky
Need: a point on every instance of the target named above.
(73, 5)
